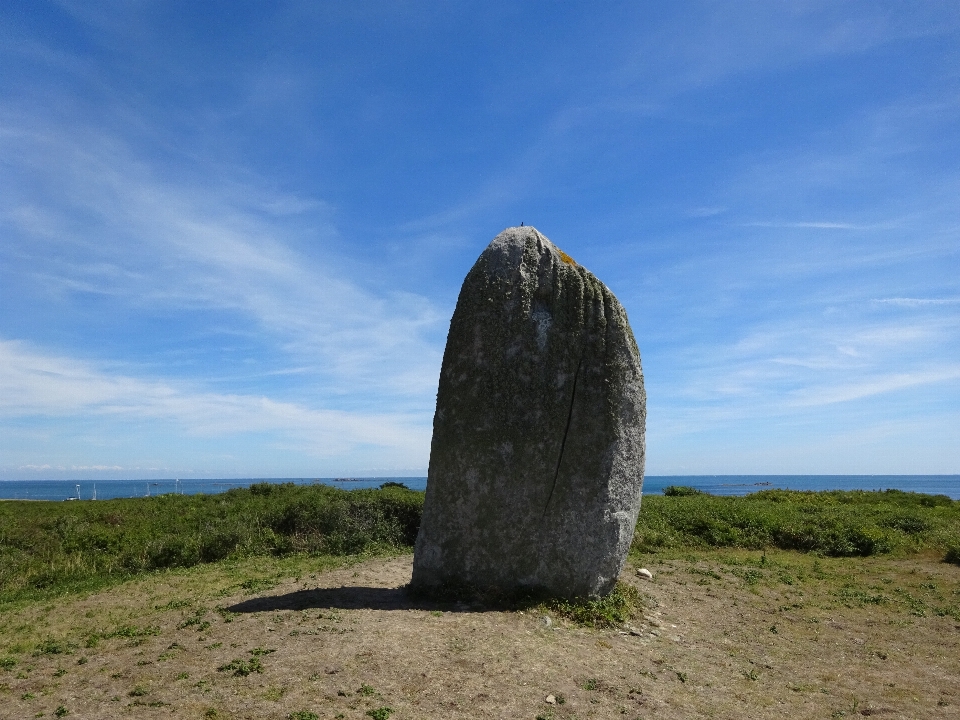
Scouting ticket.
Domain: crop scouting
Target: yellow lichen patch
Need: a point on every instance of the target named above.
(566, 258)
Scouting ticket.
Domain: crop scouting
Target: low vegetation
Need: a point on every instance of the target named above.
(723, 632)
(47, 549)
(835, 523)
(51, 548)
(623, 604)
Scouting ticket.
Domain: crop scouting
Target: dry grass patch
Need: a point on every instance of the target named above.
(719, 633)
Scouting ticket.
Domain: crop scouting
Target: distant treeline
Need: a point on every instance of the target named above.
(49, 548)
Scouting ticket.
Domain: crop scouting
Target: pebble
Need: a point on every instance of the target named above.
(547, 622)
(644, 573)
(550, 700)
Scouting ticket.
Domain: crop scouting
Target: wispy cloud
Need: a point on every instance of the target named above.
(791, 366)
(213, 239)
(720, 41)
(196, 245)
(917, 302)
(819, 225)
(878, 385)
(36, 384)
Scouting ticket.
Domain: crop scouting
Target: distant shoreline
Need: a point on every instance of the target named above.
(61, 490)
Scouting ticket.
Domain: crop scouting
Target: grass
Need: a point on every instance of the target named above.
(48, 549)
(611, 611)
(835, 523)
(242, 668)
(845, 628)
(874, 582)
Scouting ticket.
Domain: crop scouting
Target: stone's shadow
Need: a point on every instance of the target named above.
(348, 598)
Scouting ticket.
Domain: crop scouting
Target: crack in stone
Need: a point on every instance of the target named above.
(566, 430)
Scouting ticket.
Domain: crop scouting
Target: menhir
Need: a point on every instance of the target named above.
(536, 464)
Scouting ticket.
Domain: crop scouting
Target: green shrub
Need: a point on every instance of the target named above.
(47, 549)
(263, 488)
(681, 491)
(833, 523)
(612, 611)
(51, 548)
(953, 554)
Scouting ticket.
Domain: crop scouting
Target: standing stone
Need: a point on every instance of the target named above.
(536, 464)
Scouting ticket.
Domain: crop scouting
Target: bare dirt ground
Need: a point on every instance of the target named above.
(726, 635)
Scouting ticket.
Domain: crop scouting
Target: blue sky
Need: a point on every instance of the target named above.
(232, 234)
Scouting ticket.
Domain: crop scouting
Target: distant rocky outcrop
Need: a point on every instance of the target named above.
(536, 465)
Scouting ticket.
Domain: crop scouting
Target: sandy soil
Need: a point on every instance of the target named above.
(725, 635)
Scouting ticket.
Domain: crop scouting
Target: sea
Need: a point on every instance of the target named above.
(59, 490)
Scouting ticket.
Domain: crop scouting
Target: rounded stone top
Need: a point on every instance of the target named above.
(503, 255)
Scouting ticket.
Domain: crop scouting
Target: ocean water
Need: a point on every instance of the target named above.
(652, 485)
(109, 489)
(745, 484)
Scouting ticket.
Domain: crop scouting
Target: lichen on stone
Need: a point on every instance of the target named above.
(566, 258)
